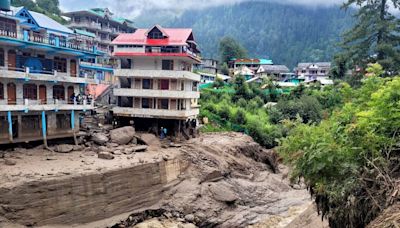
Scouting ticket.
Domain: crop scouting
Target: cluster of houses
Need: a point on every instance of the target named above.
(50, 74)
(257, 69)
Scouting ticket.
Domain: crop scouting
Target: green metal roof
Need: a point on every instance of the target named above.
(100, 12)
(85, 33)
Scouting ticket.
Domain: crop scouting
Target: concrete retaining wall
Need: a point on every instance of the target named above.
(89, 197)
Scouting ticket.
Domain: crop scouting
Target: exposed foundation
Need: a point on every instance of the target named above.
(90, 197)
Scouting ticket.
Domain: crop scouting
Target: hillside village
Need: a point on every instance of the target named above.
(105, 124)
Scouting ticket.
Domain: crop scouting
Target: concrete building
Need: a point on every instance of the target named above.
(102, 23)
(252, 64)
(209, 66)
(313, 71)
(39, 78)
(156, 83)
(277, 72)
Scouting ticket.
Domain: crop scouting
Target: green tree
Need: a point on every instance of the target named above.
(51, 6)
(375, 36)
(229, 48)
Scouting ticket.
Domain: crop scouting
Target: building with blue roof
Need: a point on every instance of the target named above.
(40, 79)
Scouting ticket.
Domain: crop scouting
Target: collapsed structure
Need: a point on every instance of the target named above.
(39, 77)
(157, 87)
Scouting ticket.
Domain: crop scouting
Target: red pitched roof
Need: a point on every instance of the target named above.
(177, 37)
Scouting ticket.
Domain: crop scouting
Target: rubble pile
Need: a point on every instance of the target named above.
(231, 182)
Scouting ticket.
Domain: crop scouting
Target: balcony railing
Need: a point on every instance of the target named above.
(26, 104)
(55, 41)
(44, 75)
(87, 24)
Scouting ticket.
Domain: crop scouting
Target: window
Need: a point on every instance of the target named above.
(58, 92)
(126, 64)
(147, 84)
(30, 91)
(1, 91)
(60, 64)
(164, 84)
(163, 104)
(1, 57)
(146, 103)
(168, 65)
(155, 33)
(8, 27)
(195, 85)
(323, 71)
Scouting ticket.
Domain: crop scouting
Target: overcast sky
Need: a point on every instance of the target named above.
(132, 8)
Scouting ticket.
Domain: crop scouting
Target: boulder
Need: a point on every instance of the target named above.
(123, 135)
(213, 176)
(189, 218)
(150, 140)
(140, 148)
(222, 193)
(10, 162)
(99, 138)
(105, 155)
(64, 148)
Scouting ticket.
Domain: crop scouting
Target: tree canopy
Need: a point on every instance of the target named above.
(375, 38)
(229, 48)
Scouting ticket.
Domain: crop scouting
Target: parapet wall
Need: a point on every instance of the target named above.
(91, 197)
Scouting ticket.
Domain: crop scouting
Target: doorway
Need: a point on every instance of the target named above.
(11, 94)
(42, 94)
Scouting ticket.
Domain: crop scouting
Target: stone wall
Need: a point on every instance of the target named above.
(91, 197)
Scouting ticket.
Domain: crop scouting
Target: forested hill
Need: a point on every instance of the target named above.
(286, 33)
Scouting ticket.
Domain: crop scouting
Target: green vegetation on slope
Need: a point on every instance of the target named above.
(47, 7)
(286, 33)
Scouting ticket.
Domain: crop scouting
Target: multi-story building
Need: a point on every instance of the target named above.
(156, 83)
(39, 78)
(313, 71)
(102, 23)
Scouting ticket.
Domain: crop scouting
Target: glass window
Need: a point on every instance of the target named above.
(168, 65)
(147, 84)
(58, 92)
(145, 103)
(164, 104)
(60, 64)
(30, 91)
(126, 64)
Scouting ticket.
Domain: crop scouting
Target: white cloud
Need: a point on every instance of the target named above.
(133, 8)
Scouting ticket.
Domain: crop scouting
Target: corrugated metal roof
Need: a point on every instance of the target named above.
(85, 33)
(46, 22)
(175, 37)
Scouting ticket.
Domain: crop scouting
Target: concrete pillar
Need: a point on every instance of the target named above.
(51, 124)
(68, 66)
(6, 58)
(19, 91)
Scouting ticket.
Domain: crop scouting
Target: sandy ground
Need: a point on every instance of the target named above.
(40, 164)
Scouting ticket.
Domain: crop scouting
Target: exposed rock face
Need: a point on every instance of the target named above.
(222, 193)
(100, 138)
(123, 135)
(64, 148)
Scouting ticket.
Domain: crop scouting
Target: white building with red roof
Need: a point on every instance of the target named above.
(157, 87)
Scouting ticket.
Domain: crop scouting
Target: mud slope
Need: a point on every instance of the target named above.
(231, 182)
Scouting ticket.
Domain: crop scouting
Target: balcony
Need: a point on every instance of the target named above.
(27, 105)
(173, 74)
(157, 93)
(86, 24)
(55, 42)
(156, 113)
(53, 76)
